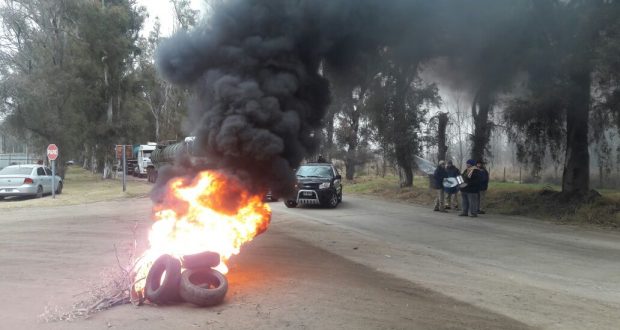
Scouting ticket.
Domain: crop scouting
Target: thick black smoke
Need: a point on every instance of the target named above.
(255, 72)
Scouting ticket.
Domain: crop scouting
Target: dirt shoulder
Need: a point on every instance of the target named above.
(536, 201)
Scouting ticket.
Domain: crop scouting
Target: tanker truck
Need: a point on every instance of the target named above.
(166, 155)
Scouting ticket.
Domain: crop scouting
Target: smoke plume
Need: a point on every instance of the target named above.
(255, 70)
(255, 73)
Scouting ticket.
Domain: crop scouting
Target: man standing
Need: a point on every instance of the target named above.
(484, 185)
(438, 176)
(469, 192)
(452, 172)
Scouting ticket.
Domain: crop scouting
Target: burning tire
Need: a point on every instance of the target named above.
(162, 282)
(201, 260)
(203, 287)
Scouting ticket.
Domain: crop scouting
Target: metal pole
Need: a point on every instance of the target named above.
(124, 169)
(53, 179)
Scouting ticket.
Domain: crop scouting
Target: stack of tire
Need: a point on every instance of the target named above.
(198, 284)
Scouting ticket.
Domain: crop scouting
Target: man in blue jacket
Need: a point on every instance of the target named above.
(438, 176)
(470, 191)
(484, 185)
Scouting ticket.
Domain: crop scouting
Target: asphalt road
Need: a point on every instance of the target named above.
(368, 264)
(543, 274)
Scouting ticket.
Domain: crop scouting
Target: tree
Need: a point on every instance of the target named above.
(40, 89)
(555, 111)
(111, 30)
(166, 102)
(398, 102)
(67, 74)
(435, 139)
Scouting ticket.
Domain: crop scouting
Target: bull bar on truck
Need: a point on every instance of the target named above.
(308, 197)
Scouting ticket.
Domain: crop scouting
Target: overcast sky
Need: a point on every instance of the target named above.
(163, 10)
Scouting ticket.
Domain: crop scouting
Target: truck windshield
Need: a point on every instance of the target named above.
(315, 171)
(147, 153)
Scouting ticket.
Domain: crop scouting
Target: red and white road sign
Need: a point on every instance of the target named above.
(52, 152)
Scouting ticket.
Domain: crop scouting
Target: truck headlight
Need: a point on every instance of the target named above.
(325, 185)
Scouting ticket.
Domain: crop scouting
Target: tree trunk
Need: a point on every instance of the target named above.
(85, 157)
(403, 159)
(480, 110)
(352, 140)
(329, 127)
(93, 160)
(408, 172)
(576, 176)
(157, 129)
(442, 147)
(107, 169)
(110, 112)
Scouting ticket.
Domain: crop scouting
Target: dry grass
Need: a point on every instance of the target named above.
(532, 200)
(81, 187)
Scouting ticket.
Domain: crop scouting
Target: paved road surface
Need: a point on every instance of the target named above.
(543, 274)
(368, 264)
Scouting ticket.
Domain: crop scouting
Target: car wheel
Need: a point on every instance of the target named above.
(39, 192)
(163, 291)
(333, 201)
(59, 188)
(290, 204)
(203, 287)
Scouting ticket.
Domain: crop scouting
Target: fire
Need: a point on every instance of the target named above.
(212, 212)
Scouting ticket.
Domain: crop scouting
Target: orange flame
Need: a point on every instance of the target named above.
(213, 212)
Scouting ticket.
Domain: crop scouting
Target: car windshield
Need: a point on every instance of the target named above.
(16, 170)
(315, 171)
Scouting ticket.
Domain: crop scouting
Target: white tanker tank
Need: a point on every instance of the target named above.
(167, 154)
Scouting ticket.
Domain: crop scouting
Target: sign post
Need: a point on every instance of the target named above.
(124, 168)
(121, 155)
(52, 154)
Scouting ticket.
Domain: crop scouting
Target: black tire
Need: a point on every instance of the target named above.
(201, 260)
(39, 192)
(290, 203)
(59, 188)
(166, 291)
(203, 287)
(332, 202)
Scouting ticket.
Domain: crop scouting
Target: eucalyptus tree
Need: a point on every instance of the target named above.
(564, 66)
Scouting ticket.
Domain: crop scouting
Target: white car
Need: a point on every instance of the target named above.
(27, 180)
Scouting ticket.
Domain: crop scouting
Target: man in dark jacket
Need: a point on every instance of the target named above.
(484, 185)
(452, 192)
(469, 192)
(438, 176)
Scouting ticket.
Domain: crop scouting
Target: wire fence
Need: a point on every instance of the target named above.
(18, 159)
